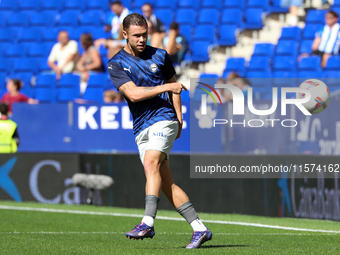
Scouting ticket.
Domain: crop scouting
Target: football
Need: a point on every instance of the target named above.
(320, 96)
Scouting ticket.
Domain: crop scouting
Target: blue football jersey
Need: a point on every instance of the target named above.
(152, 68)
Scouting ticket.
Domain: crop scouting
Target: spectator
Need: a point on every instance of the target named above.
(175, 43)
(293, 5)
(9, 136)
(115, 43)
(111, 96)
(239, 82)
(65, 53)
(90, 60)
(326, 40)
(14, 96)
(158, 31)
(219, 91)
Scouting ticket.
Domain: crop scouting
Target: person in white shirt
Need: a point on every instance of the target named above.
(326, 40)
(63, 56)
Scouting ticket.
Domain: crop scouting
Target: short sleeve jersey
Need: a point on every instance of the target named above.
(152, 68)
(329, 38)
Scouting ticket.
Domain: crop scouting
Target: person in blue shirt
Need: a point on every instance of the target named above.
(146, 77)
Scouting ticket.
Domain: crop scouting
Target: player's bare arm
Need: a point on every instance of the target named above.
(136, 94)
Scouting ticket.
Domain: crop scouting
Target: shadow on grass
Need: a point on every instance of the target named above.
(224, 246)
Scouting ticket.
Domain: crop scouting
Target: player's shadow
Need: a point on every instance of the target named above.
(224, 246)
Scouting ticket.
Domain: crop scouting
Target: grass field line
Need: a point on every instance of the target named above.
(19, 208)
(162, 233)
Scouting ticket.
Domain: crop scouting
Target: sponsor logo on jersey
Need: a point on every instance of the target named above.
(153, 67)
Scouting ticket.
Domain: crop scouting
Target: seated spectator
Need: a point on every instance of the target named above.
(114, 24)
(236, 80)
(9, 136)
(175, 43)
(90, 60)
(64, 53)
(14, 96)
(293, 6)
(326, 40)
(112, 96)
(158, 31)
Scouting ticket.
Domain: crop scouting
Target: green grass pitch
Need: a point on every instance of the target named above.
(101, 230)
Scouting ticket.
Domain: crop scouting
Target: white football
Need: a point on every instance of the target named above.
(320, 96)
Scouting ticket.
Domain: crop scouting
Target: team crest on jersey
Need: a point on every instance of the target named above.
(153, 67)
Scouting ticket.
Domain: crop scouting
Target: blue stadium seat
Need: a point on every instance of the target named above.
(51, 5)
(310, 64)
(309, 75)
(25, 65)
(316, 17)
(286, 48)
(264, 49)
(209, 75)
(205, 33)
(94, 94)
(68, 18)
(291, 33)
(276, 7)
(76, 32)
(46, 80)
(27, 90)
(5, 65)
(3, 77)
(97, 80)
(66, 94)
(100, 33)
(333, 64)
(234, 4)
(284, 63)
(103, 51)
(69, 80)
(18, 20)
(310, 30)
(32, 34)
(49, 35)
(13, 51)
(165, 4)
(74, 5)
(306, 46)
(41, 19)
(8, 5)
(217, 4)
(186, 31)
(259, 63)
(262, 4)
(92, 18)
(26, 78)
(227, 35)
(165, 15)
(200, 51)
(284, 79)
(37, 51)
(209, 16)
(97, 5)
(3, 19)
(232, 16)
(7, 35)
(254, 18)
(33, 5)
(190, 4)
(186, 16)
(140, 3)
(260, 78)
(332, 74)
(45, 95)
(259, 74)
(43, 66)
(235, 65)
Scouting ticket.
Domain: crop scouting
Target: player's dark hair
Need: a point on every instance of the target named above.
(134, 19)
(174, 26)
(334, 13)
(17, 83)
(116, 2)
(4, 109)
(86, 40)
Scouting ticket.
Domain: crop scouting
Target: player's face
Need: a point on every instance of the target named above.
(330, 19)
(136, 37)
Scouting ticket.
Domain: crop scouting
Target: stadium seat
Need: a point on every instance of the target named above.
(186, 16)
(100, 33)
(25, 65)
(66, 94)
(200, 51)
(332, 78)
(310, 64)
(37, 51)
(209, 16)
(190, 4)
(260, 79)
(42, 65)
(259, 74)
(7, 35)
(276, 7)
(74, 5)
(308, 75)
(165, 15)
(94, 94)
(286, 48)
(69, 80)
(46, 80)
(284, 63)
(92, 18)
(27, 90)
(97, 5)
(306, 46)
(139, 3)
(45, 95)
(51, 5)
(3, 77)
(217, 4)
(316, 17)
(68, 18)
(284, 79)
(253, 18)
(97, 80)
(264, 49)
(5, 65)
(126, 3)
(259, 63)
(3, 19)
(18, 20)
(26, 77)
(227, 35)
(76, 32)
(8, 5)
(333, 64)
(49, 35)
(32, 34)
(33, 5)
(234, 4)
(165, 4)
(291, 33)
(310, 30)
(233, 17)
(205, 33)
(186, 31)
(41, 19)
(103, 51)
(262, 4)
(235, 65)
(13, 51)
